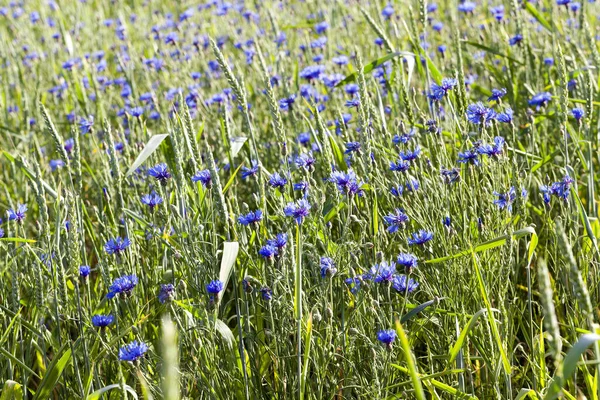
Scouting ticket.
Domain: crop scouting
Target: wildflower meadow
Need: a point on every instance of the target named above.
(332, 199)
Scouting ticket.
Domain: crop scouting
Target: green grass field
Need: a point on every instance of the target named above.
(303, 200)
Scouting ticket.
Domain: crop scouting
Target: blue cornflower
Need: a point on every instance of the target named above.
(395, 221)
(277, 181)
(412, 185)
(286, 103)
(354, 284)
(86, 125)
(447, 221)
(117, 245)
(171, 38)
(493, 150)
(397, 190)
(152, 200)
(298, 210)
(383, 272)
(204, 178)
(407, 260)
(399, 166)
(420, 238)
(327, 267)
(340, 60)
(439, 91)
(304, 138)
(136, 112)
(540, 99)
(498, 12)
(505, 200)
(18, 214)
(160, 172)
(306, 161)
(387, 337)
(467, 6)
(347, 183)
(560, 189)
(166, 293)
(268, 251)
(387, 11)
(318, 43)
(122, 286)
(84, 271)
(470, 156)
(450, 175)
(279, 242)
(214, 287)
(250, 172)
(355, 102)
(69, 143)
(497, 94)
(404, 284)
(133, 351)
(302, 185)
(577, 113)
(266, 293)
(253, 217)
(312, 72)
(506, 117)
(102, 321)
(351, 88)
(55, 164)
(479, 114)
(410, 155)
(352, 147)
(404, 137)
(518, 38)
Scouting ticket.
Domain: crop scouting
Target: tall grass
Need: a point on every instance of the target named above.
(299, 200)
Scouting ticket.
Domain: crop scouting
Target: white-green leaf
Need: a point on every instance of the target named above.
(150, 148)
(230, 252)
(236, 144)
(98, 393)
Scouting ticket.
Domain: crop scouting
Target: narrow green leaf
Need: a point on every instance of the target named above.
(410, 362)
(491, 51)
(538, 16)
(372, 65)
(231, 179)
(570, 364)
(29, 173)
(412, 313)
(526, 393)
(53, 373)
(17, 240)
(463, 334)
(490, 244)
(307, 344)
(491, 319)
(11, 391)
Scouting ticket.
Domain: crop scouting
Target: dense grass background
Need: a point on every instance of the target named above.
(503, 300)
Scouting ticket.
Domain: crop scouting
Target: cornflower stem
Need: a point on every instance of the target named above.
(298, 303)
